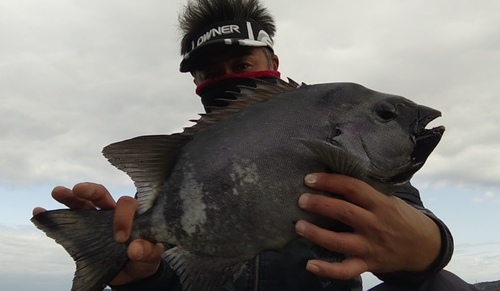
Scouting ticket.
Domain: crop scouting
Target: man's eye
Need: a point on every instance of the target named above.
(242, 67)
(210, 76)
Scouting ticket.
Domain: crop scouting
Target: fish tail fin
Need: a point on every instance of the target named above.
(87, 235)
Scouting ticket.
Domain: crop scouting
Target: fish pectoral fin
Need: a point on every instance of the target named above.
(148, 160)
(390, 183)
(199, 272)
(337, 159)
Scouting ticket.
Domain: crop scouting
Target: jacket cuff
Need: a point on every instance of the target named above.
(441, 261)
(163, 279)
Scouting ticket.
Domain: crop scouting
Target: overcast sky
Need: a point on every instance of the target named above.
(78, 75)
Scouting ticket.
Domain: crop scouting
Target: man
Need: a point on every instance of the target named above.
(225, 44)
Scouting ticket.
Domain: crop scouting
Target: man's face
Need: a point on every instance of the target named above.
(232, 60)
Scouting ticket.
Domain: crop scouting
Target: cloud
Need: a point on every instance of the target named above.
(75, 77)
(473, 263)
(31, 261)
(487, 197)
(27, 250)
(80, 76)
(476, 262)
(448, 61)
(443, 58)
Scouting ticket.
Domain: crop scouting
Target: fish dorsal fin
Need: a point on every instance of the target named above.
(339, 160)
(247, 97)
(148, 160)
(263, 91)
(201, 273)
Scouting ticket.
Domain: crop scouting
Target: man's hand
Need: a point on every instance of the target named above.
(145, 257)
(389, 234)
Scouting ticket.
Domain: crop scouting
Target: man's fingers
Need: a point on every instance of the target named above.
(337, 209)
(354, 190)
(143, 251)
(340, 242)
(95, 193)
(84, 196)
(65, 196)
(344, 270)
(123, 218)
(145, 259)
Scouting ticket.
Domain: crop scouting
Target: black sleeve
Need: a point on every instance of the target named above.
(411, 196)
(163, 280)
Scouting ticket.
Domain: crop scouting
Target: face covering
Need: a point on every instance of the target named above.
(212, 91)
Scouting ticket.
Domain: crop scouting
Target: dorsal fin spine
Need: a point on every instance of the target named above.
(149, 160)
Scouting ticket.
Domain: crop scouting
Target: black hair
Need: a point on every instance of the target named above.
(269, 56)
(199, 14)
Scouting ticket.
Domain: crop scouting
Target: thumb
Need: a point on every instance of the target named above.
(145, 252)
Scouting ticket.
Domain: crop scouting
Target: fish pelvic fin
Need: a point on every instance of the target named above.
(148, 161)
(339, 160)
(87, 235)
(199, 272)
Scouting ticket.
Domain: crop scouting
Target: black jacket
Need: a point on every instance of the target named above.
(285, 270)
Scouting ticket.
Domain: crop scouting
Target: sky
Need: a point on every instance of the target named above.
(76, 76)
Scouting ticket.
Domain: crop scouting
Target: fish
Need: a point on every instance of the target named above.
(226, 189)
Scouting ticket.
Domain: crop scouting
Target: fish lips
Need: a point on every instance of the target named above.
(425, 140)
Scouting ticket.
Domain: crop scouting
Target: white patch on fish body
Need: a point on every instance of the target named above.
(194, 209)
(244, 172)
(158, 227)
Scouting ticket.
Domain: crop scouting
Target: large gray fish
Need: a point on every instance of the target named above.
(226, 189)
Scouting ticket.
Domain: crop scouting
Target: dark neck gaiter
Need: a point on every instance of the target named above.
(212, 91)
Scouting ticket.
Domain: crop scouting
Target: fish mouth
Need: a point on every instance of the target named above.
(425, 140)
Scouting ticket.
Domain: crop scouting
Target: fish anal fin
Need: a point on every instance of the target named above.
(199, 272)
(148, 160)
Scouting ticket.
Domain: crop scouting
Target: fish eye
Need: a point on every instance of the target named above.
(385, 110)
